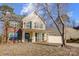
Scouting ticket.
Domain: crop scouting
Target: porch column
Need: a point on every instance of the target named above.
(23, 36)
(33, 37)
(45, 37)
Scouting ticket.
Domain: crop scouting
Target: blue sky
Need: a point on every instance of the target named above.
(74, 12)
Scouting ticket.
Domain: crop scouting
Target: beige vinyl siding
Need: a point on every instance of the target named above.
(36, 21)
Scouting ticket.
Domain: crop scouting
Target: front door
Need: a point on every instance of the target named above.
(27, 37)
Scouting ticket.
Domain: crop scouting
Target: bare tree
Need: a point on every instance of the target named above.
(61, 18)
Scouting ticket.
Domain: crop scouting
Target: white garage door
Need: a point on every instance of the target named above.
(54, 39)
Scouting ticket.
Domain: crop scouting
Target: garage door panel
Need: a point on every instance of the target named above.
(54, 39)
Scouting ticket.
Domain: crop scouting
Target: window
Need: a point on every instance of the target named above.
(36, 25)
(29, 25)
(12, 35)
(41, 25)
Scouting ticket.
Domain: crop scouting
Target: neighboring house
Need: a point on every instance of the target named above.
(12, 29)
(13, 25)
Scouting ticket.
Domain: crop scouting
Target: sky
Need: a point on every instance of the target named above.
(23, 8)
(74, 13)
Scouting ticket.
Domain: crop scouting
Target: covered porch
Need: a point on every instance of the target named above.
(33, 35)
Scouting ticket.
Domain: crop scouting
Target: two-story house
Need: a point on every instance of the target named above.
(34, 29)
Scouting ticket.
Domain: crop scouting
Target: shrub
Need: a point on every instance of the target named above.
(72, 40)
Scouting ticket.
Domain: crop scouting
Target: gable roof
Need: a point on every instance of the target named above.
(40, 18)
(34, 14)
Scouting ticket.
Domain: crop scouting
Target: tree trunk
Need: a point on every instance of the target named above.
(63, 39)
(6, 34)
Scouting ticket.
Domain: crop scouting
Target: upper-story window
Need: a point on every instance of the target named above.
(41, 25)
(37, 25)
(29, 25)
